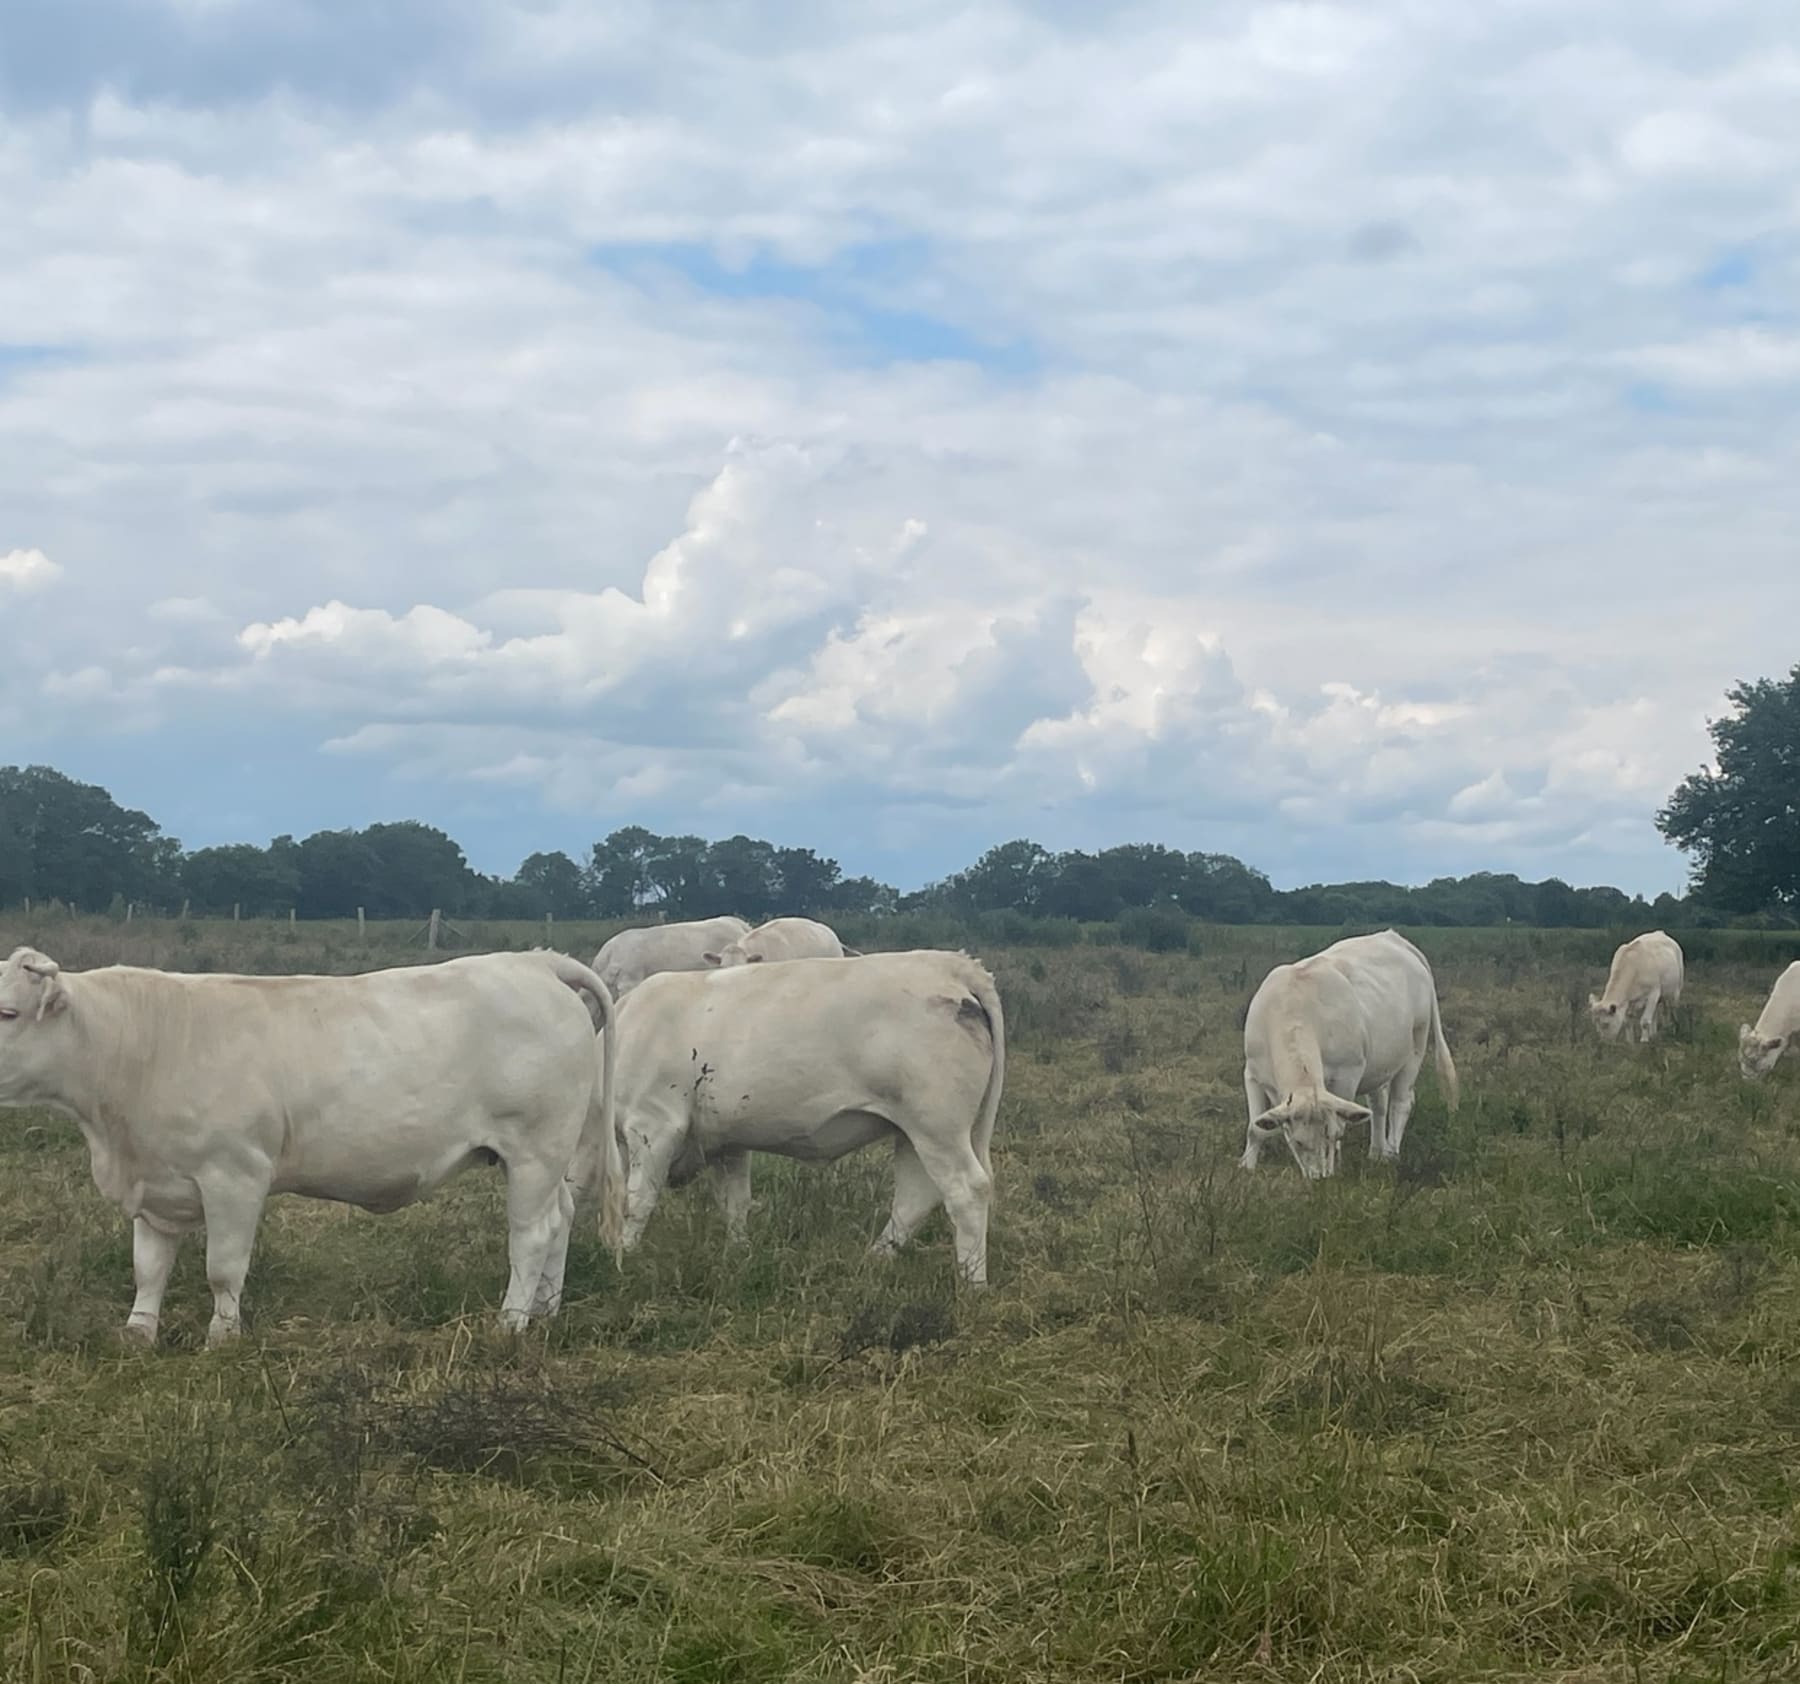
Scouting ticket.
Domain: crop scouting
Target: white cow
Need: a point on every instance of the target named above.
(1644, 971)
(632, 955)
(783, 938)
(815, 1058)
(199, 1096)
(1775, 1030)
(1353, 1021)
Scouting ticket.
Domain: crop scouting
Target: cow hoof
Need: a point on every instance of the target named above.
(514, 1321)
(138, 1335)
(222, 1333)
(542, 1307)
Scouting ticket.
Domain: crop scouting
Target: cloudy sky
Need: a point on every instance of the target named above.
(1361, 437)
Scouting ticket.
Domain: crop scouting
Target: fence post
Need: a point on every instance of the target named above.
(431, 934)
(237, 911)
(362, 928)
(28, 906)
(128, 910)
(291, 916)
(549, 926)
(184, 910)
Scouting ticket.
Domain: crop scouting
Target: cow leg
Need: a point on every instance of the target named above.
(1402, 1091)
(966, 1189)
(1647, 1024)
(731, 1186)
(1258, 1102)
(650, 1153)
(533, 1213)
(152, 1257)
(915, 1198)
(1380, 1144)
(232, 1211)
(547, 1300)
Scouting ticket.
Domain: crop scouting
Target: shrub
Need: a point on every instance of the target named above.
(1156, 929)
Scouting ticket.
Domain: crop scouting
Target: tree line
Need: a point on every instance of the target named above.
(62, 840)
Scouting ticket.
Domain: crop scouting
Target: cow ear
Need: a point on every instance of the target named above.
(1271, 1121)
(1354, 1115)
(53, 993)
(1593, 1002)
(753, 958)
(712, 958)
(1744, 1033)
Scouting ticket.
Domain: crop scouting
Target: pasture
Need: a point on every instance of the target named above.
(1526, 1406)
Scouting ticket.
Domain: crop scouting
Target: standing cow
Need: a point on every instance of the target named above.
(1645, 971)
(199, 1096)
(813, 1059)
(1353, 1021)
(631, 955)
(783, 938)
(1775, 1030)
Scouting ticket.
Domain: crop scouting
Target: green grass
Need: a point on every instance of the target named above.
(1526, 1407)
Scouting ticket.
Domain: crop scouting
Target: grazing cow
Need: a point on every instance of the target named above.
(783, 938)
(632, 955)
(1775, 1030)
(813, 1059)
(1644, 972)
(199, 1096)
(1355, 1020)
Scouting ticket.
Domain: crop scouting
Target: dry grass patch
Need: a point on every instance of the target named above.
(1524, 1407)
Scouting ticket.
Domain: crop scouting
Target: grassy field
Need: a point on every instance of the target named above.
(1526, 1407)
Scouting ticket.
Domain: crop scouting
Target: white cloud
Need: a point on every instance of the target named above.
(27, 570)
(1744, 356)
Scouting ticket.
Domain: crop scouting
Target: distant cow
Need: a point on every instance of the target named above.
(199, 1096)
(783, 938)
(813, 1059)
(632, 955)
(1775, 1030)
(1353, 1021)
(1644, 971)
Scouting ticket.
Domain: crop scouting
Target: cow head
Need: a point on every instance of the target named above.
(733, 954)
(32, 992)
(1757, 1054)
(1313, 1127)
(31, 987)
(1608, 1016)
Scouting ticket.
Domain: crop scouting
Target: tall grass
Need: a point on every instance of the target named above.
(1522, 1407)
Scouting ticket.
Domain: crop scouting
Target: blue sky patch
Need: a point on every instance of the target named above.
(845, 291)
(1733, 269)
(23, 359)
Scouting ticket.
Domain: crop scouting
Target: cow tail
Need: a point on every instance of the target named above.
(600, 1149)
(1440, 1055)
(981, 985)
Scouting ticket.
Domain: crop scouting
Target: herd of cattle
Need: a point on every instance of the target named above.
(684, 1047)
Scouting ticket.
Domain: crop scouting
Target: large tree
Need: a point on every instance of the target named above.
(1740, 824)
(263, 881)
(552, 883)
(71, 841)
(744, 875)
(619, 874)
(808, 881)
